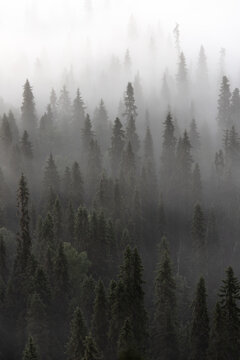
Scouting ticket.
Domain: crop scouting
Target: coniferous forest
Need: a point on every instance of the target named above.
(120, 209)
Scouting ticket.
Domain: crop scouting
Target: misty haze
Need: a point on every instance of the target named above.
(119, 180)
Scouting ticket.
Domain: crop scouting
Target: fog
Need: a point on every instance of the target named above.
(119, 180)
(42, 40)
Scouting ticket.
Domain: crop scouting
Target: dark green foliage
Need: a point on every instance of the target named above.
(116, 149)
(229, 298)
(30, 352)
(26, 146)
(199, 338)
(217, 345)
(100, 318)
(51, 177)
(164, 336)
(78, 332)
(91, 351)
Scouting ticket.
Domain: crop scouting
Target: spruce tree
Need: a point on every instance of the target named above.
(91, 351)
(199, 338)
(78, 112)
(29, 121)
(199, 240)
(131, 135)
(30, 351)
(217, 346)
(26, 146)
(235, 108)
(164, 337)
(130, 107)
(229, 298)
(51, 177)
(76, 185)
(100, 318)
(117, 145)
(224, 103)
(78, 332)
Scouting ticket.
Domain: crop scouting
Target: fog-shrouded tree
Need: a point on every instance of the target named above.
(29, 120)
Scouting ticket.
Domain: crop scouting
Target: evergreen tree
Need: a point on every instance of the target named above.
(100, 318)
(78, 112)
(164, 337)
(29, 121)
(64, 106)
(235, 108)
(126, 344)
(131, 135)
(194, 136)
(117, 145)
(51, 177)
(78, 332)
(26, 146)
(229, 298)
(199, 240)
(196, 184)
(102, 125)
(30, 352)
(182, 75)
(217, 346)
(199, 338)
(6, 134)
(37, 325)
(76, 184)
(87, 133)
(168, 153)
(202, 70)
(91, 351)
(224, 103)
(130, 107)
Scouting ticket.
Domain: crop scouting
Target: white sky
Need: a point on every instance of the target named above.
(59, 30)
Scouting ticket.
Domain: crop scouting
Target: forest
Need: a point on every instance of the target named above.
(120, 217)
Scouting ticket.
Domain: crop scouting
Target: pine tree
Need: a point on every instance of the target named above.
(131, 135)
(196, 184)
(81, 229)
(100, 318)
(51, 177)
(37, 326)
(78, 332)
(117, 145)
(202, 70)
(87, 298)
(131, 277)
(102, 125)
(130, 107)
(91, 351)
(66, 183)
(26, 146)
(199, 240)
(229, 297)
(168, 153)
(6, 134)
(53, 104)
(29, 121)
(64, 105)
(164, 337)
(87, 133)
(224, 103)
(30, 352)
(78, 112)
(182, 75)
(235, 108)
(126, 343)
(194, 136)
(77, 185)
(217, 346)
(199, 338)
(3, 261)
